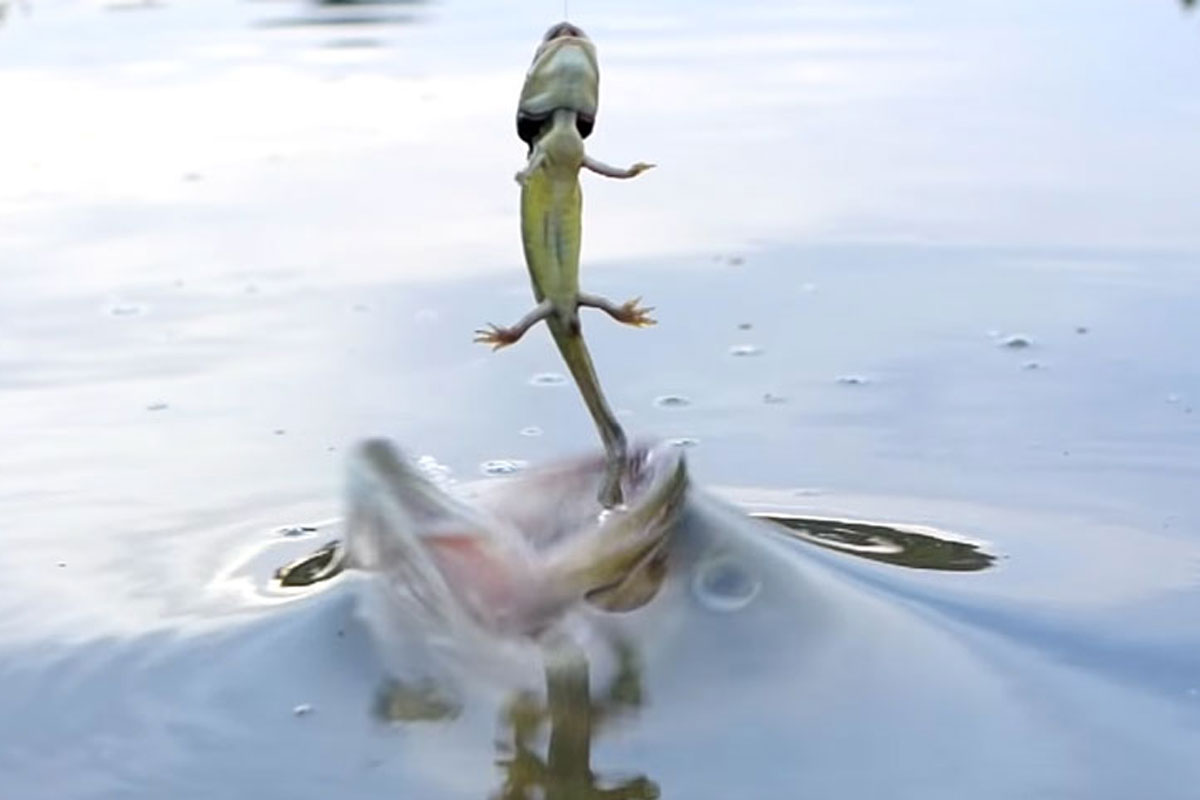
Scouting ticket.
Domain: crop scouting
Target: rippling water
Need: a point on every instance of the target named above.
(238, 237)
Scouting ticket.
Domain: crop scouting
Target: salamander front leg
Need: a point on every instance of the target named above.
(600, 168)
(499, 337)
(536, 157)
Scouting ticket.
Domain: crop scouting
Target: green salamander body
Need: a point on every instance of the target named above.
(556, 111)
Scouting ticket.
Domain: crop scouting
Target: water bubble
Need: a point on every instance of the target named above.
(1031, 365)
(279, 431)
(672, 401)
(853, 380)
(502, 466)
(302, 710)
(1081, 329)
(735, 261)
(294, 531)
(158, 406)
(725, 584)
(531, 430)
(773, 399)
(745, 350)
(1016, 342)
(683, 441)
(547, 379)
(745, 326)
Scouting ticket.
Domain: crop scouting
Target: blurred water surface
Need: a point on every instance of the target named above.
(922, 269)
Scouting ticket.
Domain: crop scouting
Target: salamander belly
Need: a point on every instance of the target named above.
(550, 232)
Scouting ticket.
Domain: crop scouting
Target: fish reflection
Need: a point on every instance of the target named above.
(568, 713)
(573, 716)
(887, 543)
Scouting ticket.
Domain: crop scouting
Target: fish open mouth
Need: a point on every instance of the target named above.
(564, 29)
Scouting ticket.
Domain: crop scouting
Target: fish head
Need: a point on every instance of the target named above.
(564, 75)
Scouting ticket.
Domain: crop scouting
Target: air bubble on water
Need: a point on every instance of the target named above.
(1031, 365)
(548, 379)
(852, 380)
(296, 531)
(302, 710)
(725, 584)
(773, 399)
(159, 406)
(1016, 342)
(531, 430)
(745, 350)
(502, 466)
(126, 310)
(672, 401)
(683, 441)
(1081, 329)
(745, 326)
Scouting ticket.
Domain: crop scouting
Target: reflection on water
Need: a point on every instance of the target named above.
(573, 717)
(313, 568)
(419, 701)
(329, 13)
(887, 543)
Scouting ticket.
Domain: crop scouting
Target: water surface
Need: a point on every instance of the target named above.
(240, 236)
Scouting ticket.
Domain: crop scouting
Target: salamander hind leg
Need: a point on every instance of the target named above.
(629, 312)
(498, 336)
